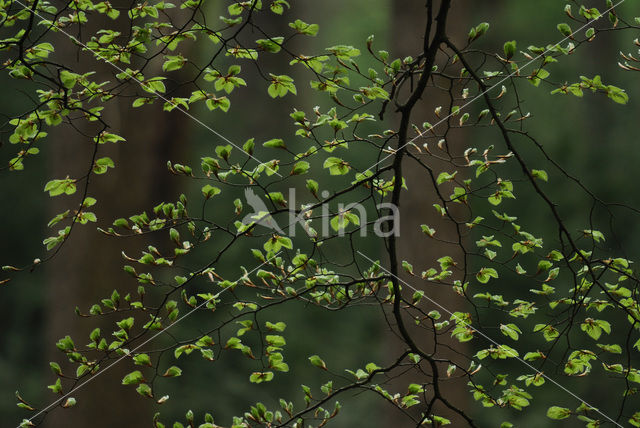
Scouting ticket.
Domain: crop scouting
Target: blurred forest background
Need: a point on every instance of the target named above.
(591, 139)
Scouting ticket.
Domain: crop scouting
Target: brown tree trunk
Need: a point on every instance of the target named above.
(89, 265)
(416, 205)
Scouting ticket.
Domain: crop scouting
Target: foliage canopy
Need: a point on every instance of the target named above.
(536, 307)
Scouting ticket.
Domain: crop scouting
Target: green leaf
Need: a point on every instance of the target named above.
(596, 235)
(259, 377)
(343, 219)
(248, 146)
(556, 412)
(222, 103)
(482, 28)
(445, 176)
(154, 86)
(485, 274)
(281, 85)
(81, 370)
(614, 349)
(279, 326)
(594, 328)
(336, 166)
(301, 167)
(107, 137)
(224, 152)
(242, 53)
(173, 62)
(56, 388)
(277, 6)
(276, 242)
(313, 187)
(273, 45)
(95, 334)
(139, 102)
(407, 267)
(173, 371)
(565, 29)
(318, 362)
(55, 368)
(509, 49)
(275, 143)
(144, 390)
(101, 165)
(478, 31)
(126, 323)
(540, 174)
(428, 230)
(275, 340)
(133, 378)
(68, 79)
(618, 95)
(209, 191)
(548, 331)
(58, 187)
(304, 28)
(142, 360)
(510, 330)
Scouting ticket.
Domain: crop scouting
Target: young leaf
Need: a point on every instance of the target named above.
(318, 362)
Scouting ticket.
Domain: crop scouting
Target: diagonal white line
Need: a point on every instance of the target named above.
(58, 400)
(493, 341)
(474, 99)
(159, 95)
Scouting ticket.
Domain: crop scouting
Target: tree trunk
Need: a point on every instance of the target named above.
(416, 205)
(89, 265)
